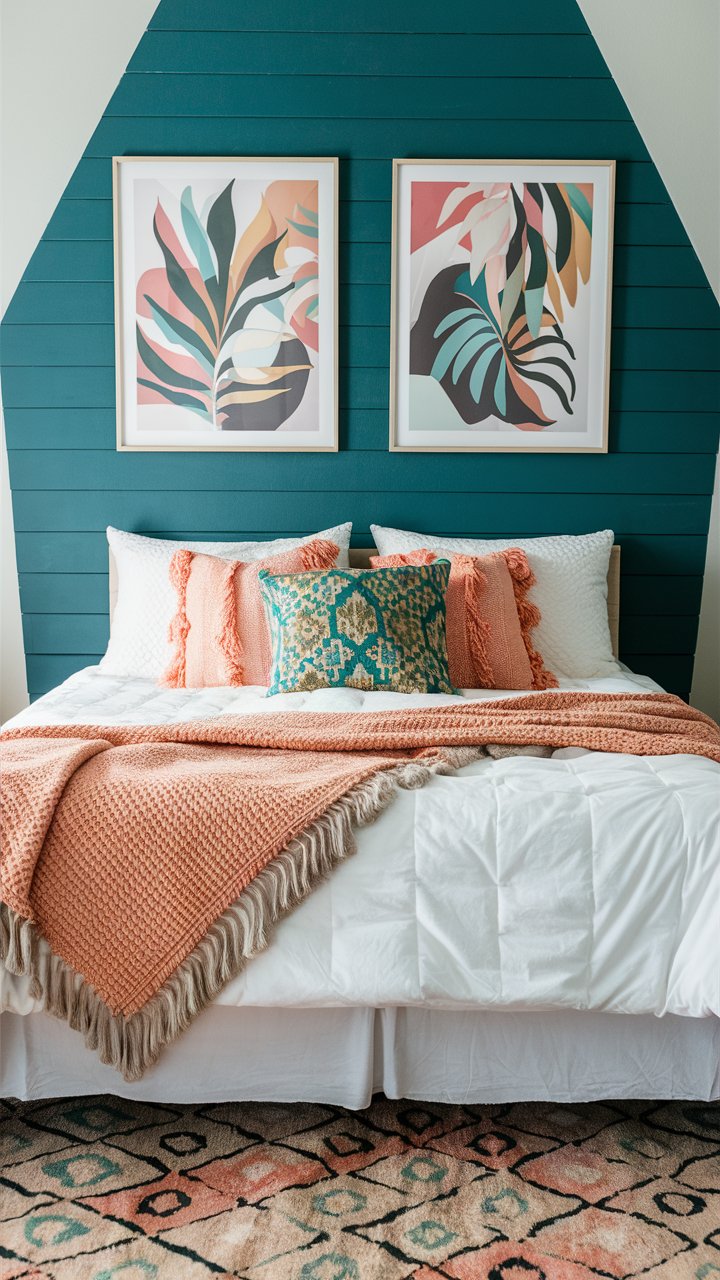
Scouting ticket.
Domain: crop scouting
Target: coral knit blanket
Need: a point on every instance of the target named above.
(142, 866)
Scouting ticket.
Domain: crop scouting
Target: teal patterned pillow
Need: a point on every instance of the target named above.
(363, 628)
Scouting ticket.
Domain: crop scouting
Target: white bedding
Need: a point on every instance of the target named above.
(586, 881)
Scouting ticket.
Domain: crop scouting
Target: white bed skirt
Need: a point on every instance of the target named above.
(344, 1055)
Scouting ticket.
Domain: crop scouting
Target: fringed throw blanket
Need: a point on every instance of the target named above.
(143, 866)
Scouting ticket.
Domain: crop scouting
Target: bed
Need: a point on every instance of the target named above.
(522, 929)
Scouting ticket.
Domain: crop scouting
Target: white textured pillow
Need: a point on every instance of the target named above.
(571, 591)
(147, 601)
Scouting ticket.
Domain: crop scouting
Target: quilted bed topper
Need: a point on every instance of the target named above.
(583, 881)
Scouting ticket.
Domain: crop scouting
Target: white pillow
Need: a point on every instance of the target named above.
(571, 591)
(147, 602)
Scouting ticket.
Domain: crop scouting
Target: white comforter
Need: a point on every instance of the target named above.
(583, 881)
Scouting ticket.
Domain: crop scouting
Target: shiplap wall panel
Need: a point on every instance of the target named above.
(338, 78)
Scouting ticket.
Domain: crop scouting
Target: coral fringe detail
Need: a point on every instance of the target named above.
(523, 580)
(318, 554)
(180, 566)
(477, 627)
(228, 637)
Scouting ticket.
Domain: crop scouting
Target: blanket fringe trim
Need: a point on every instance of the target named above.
(132, 1044)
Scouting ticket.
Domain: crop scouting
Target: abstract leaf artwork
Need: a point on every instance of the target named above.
(501, 305)
(226, 303)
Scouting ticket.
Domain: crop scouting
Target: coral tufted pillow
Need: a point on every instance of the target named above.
(146, 600)
(570, 591)
(219, 633)
(489, 619)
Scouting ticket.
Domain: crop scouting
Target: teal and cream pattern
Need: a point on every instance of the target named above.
(363, 628)
(106, 1189)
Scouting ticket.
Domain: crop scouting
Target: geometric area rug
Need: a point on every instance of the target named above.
(99, 1188)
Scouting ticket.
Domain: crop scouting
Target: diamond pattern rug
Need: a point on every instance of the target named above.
(97, 1188)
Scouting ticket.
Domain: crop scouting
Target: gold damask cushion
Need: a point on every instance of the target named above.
(361, 628)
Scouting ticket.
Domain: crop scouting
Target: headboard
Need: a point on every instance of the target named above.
(360, 559)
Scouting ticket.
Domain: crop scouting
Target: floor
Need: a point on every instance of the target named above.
(97, 1188)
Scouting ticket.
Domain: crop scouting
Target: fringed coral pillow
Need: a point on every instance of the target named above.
(490, 619)
(219, 634)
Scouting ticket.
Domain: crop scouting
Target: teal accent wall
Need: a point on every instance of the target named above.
(347, 78)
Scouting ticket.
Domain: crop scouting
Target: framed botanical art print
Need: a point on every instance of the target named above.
(501, 305)
(226, 303)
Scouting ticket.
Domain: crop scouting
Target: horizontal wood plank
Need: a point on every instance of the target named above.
(182, 133)
(659, 633)
(661, 595)
(466, 17)
(654, 308)
(46, 671)
(303, 83)
(66, 633)
(64, 592)
(358, 471)
(503, 513)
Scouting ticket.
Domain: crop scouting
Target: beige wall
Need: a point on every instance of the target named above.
(61, 60)
(665, 58)
(13, 688)
(706, 679)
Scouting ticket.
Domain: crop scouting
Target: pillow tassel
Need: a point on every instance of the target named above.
(179, 629)
(319, 554)
(403, 559)
(477, 627)
(523, 580)
(228, 637)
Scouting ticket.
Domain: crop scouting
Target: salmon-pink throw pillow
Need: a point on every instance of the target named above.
(219, 633)
(489, 620)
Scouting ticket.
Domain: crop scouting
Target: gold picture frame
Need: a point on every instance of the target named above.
(443, 428)
(185, 330)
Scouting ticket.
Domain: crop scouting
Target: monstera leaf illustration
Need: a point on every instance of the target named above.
(225, 327)
(484, 372)
(525, 238)
(499, 268)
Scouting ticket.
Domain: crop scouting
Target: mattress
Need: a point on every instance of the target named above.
(585, 881)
